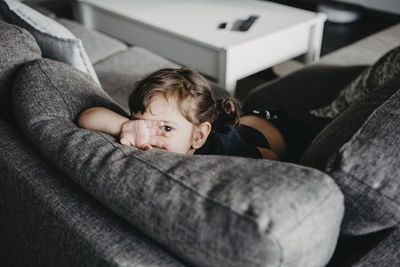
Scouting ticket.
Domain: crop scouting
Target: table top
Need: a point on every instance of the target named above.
(198, 20)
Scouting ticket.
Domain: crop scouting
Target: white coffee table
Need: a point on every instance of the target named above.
(186, 31)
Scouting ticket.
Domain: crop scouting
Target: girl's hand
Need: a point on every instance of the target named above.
(143, 134)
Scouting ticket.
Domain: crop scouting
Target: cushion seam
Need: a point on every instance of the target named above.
(111, 55)
(55, 87)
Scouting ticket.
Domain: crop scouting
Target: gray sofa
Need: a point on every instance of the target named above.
(73, 197)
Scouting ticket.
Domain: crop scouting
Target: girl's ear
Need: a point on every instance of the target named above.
(200, 135)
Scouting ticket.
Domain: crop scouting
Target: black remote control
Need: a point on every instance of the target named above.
(222, 25)
(245, 26)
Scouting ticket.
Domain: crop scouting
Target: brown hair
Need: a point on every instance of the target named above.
(193, 94)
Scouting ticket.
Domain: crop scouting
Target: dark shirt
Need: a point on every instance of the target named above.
(241, 142)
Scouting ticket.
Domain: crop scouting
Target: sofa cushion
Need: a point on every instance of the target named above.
(47, 220)
(98, 45)
(55, 41)
(385, 69)
(359, 149)
(208, 210)
(17, 46)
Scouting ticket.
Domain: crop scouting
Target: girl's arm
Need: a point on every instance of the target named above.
(144, 134)
(102, 120)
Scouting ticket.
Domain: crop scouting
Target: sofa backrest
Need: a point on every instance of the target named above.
(359, 149)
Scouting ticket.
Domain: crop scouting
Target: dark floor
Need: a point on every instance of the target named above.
(339, 35)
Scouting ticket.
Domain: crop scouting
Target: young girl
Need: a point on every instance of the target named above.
(175, 110)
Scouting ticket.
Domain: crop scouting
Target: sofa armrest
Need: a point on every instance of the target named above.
(47, 220)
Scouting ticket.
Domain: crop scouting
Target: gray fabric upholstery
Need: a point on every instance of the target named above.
(300, 92)
(209, 210)
(359, 149)
(98, 45)
(350, 249)
(17, 46)
(119, 72)
(55, 41)
(385, 69)
(366, 51)
(47, 220)
(386, 253)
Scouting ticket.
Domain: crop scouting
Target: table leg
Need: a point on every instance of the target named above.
(225, 79)
(230, 86)
(85, 15)
(316, 32)
(228, 83)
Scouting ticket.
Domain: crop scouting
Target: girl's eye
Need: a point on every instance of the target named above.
(166, 128)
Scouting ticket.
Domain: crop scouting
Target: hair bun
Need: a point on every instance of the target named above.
(227, 113)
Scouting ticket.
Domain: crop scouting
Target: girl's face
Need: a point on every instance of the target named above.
(181, 131)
